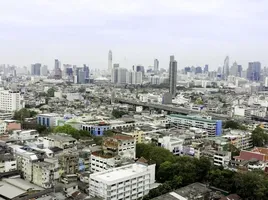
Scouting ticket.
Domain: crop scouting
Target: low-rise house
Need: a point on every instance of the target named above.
(59, 140)
(24, 135)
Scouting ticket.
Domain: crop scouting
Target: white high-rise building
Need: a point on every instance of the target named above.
(225, 70)
(44, 70)
(234, 70)
(110, 61)
(122, 75)
(266, 82)
(11, 100)
(156, 66)
(114, 74)
(128, 182)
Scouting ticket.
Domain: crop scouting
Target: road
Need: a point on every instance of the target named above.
(172, 109)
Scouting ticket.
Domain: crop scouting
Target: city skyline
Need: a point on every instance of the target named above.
(198, 32)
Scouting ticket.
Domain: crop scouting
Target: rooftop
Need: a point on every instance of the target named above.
(63, 138)
(193, 118)
(119, 173)
(188, 192)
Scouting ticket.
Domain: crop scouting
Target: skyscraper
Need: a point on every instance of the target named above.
(44, 70)
(110, 61)
(156, 66)
(225, 70)
(114, 74)
(234, 70)
(254, 71)
(86, 71)
(57, 69)
(36, 69)
(172, 76)
(206, 69)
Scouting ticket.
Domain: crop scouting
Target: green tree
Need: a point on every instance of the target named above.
(118, 113)
(234, 125)
(259, 137)
(23, 113)
(50, 92)
(67, 129)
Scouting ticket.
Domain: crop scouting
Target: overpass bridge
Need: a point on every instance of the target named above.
(171, 109)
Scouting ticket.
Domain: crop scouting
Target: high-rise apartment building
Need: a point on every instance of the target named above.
(11, 100)
(206, 69)
(234, 70)
(86, 71)
(110, 61)
(114, 74)
(44, 70)
(172, 76)
(254, 71)
(156, 66)
(122, 75)
(57, 69)
(36, 69)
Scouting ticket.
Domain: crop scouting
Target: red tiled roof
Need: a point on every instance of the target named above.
(247, 155)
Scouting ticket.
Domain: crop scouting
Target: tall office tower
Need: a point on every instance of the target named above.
(122, 76)
(36, 69)
(86, 70)
(172, 76)
(81, 76)
(110, 61)
(225, 69)
(44, 70)
(198, 70)
(156, 66)
(114, 74)
(234, 70)
(206, 69)
(57, 70)
(11, 100)
(240, 69)
(140, 68)
(254, 71)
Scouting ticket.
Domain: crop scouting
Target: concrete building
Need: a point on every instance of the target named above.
(110, 61)
(60, 141)
(48, 120)
(36, 69)
(7, 163)
(221, 158)
(68, 162)
(138, 135)
(213, 127)
(3, 127)
(24, 135)
(100, 162)
(128, 182)
(172, 76)
(43, 174)
(11, 100)
(240, 139)
(122, 75)
(254, 71)
(25, 161)
(225, 69)
(156, 66)
(173, 144)
(44, 70)
(124, 146)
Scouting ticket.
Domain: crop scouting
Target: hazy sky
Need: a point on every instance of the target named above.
(197, 32)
